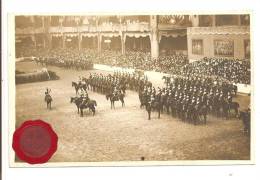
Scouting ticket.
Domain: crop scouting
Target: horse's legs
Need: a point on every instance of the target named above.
(111, 103)
(236, 111)
(123, 102)
(149, 115)
(168, 109)
(159, 113)
(50, 105)
(81, 112)
(195, 119)
(93, 110)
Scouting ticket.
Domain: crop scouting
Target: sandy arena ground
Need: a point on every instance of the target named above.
(124, 134)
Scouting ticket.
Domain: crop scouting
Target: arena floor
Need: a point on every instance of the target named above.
(124, 134)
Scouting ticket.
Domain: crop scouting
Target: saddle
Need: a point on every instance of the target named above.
(116, 97)
(47, 96)
(84, 103)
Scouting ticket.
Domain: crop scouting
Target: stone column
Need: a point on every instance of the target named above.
(154, 36)
(239, 20)
(44, 42)
(122, 44)
(94, 42)
(80, 41)
(49, 38)
(34, 40)
(63, 41)
(213, 20)
(195, 20)
(99, 43)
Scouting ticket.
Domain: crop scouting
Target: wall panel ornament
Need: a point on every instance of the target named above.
(197, 46)
(224, 48)
(137, 35)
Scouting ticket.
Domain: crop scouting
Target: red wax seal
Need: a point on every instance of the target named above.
(35, 142)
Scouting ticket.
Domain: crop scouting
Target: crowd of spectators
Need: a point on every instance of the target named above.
(235, 71)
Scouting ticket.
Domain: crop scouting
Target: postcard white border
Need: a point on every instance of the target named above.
(12, 96)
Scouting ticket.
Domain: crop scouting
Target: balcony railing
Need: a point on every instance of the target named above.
(29, 30)
(219, 30)
(139, 27)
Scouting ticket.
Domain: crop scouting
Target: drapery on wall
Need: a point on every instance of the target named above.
(140, 43)
(171, 44)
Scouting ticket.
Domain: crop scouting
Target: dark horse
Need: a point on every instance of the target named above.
(48, 100)
(155, 105)
(91, 104)
(114, 98)
(202, 113)
(78, 86)
(233, 106)
(245, 117)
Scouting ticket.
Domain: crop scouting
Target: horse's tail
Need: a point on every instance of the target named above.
(95, 103)
(71, 99)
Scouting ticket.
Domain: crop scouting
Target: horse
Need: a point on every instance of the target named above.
(149, 106)
(245, 117)
(78, 86)
(87, 81)
(142, 98)
(48, 100)
(165, 102)
(233, 106)
(203, 112)
(79, 103)
(114, 98)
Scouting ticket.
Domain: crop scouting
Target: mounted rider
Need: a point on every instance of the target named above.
(85, 98)
(79, 81)
(47, 94)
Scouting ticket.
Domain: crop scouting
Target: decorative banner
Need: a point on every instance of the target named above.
(107, 41)
(89, 34)
(197, 46)
(71, 35)
(35, 142)
(56, 35)
(110, 34)
(224, 48)
(137, 35)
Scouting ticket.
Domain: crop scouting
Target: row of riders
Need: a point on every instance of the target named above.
(113, 85)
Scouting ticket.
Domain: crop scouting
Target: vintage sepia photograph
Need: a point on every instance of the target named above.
(132, 88)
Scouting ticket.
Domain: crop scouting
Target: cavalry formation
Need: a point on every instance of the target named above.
(190, 99)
